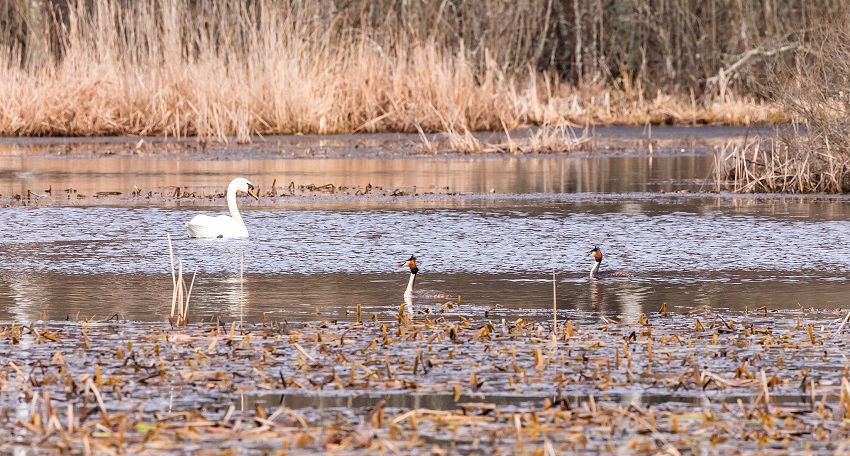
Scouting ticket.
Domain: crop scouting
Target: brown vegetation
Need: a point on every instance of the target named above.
(438, 383)
(817, 96)
(219, 69)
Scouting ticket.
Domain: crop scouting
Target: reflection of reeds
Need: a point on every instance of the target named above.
(179, 307)
(554, 309)
(784, 166)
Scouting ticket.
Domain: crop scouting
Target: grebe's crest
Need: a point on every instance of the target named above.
(596, 273)
(411, 263)
(597, 254)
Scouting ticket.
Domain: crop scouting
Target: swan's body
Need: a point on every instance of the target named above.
(595, 273)
(224, 226)
(423, 294)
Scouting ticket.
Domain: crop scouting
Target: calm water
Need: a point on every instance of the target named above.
(492, 233)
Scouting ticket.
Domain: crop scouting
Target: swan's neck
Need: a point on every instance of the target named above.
(595, 270)
(231, 203)
(409, 291)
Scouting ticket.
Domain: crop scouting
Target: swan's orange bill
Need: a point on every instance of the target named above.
(253, 192)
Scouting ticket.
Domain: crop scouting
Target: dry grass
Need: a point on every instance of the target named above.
(546, 139)
(784, 166)
(226, 71)
(816, 156)
(180, 293)
(730, 382)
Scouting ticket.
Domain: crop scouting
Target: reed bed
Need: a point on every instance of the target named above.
(558, 138)
(814, 157)
(665, 382)
(781, 166)
(223, 71)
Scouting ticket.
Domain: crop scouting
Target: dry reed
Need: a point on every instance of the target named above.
(734, 382)
(179, 306)
(781, 166)
(545, 139)
(225, 71)
(814, 158)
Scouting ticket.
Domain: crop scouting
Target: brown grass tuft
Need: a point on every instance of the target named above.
(815, 157)
(780, 166)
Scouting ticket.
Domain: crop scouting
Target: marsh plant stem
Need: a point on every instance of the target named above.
(173, 276)
(241, 287)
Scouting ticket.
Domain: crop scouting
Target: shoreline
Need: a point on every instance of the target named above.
(375, 145)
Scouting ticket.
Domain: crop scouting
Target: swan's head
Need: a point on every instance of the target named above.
(411, 263)
(597, 254)
(243, 185)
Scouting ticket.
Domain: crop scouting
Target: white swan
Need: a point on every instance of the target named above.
(224, 226)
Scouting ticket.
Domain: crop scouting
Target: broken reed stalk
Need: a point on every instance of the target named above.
(188, 295)
(843, 322)
(766, 392)
(173, 276)
(429, 147)
(180, 289)
(554, 309)
(241, 287)
(179, 307)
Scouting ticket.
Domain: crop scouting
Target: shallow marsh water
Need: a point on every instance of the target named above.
(316, 254)
(488, 230)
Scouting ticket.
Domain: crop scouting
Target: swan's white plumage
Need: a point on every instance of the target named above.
(224, 226)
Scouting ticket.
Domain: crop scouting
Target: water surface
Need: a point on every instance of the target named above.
(487, 229)
(496, 252)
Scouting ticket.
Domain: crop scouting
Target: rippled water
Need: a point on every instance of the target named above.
(685, 250)
(655, 238)
(497, 251)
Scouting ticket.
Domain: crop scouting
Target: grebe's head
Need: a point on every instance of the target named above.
(411, 263)
(597, 254)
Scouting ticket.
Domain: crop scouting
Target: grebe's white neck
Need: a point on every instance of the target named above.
(595, 270)
(409, 292)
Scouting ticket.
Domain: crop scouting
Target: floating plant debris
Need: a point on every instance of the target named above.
(207, 196)
(663, 382)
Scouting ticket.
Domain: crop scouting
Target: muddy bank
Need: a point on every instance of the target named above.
(157, 171)
(372, 145)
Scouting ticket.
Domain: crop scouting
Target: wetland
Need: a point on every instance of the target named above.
(727, 336)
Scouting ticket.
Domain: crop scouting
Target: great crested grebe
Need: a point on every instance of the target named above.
(224, 226)
(595, 273)
(426, 294)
